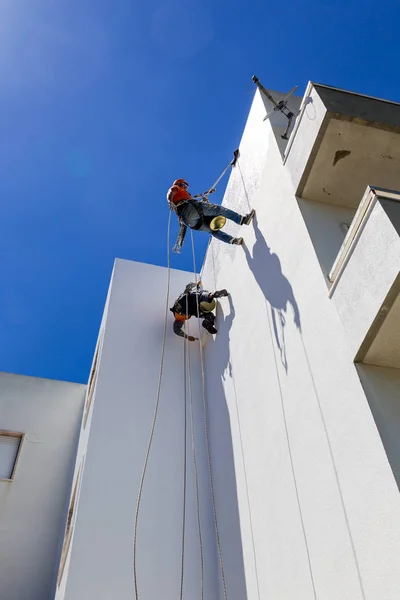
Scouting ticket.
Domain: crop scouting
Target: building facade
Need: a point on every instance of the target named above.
(274, 465)
(307, 357)
(40, 423)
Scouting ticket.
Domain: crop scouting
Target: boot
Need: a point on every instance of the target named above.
(220, 294)
(209, 326)
(237, 241)
(247, 219)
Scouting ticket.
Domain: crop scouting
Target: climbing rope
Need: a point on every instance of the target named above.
(185, 352)
(213, 187)
(187, 378)
(153, 425)
(196, 472)
(221, 563)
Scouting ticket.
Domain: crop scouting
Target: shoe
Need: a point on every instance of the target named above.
(236, 241)
(209, 327)
(220, 294)
(247, 219)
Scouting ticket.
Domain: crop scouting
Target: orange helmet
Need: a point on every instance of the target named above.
(181, 183)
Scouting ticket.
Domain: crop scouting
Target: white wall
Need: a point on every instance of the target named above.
(325, 227)
(33, 506)
(382, 387)
(368, 276)
(101, 561)
(319, 506)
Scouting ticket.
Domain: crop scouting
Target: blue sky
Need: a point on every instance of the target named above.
(103, 103)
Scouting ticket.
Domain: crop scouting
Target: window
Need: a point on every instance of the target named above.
(91, 386)
(68, 529)
(10, 446)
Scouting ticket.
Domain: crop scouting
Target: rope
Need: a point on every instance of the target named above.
(246, 483)
(185, 350)
(296, 489)
(221, 563)
(212, 188)
(196, 473)
(154, 415)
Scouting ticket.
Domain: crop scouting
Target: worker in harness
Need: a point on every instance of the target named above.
(202, 216)
(195, 302)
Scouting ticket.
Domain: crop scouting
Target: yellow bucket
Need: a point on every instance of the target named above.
(208, 306)
(217, 223)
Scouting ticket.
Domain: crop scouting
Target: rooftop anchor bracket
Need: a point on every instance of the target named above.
(280, 105)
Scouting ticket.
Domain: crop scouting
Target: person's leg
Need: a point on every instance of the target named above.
(189, 215)
(222, 236)
(214, 210)
(208, 322)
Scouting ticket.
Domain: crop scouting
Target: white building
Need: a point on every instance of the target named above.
(39, 431)
(302, 387)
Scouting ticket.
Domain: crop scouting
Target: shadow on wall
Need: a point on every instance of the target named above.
(224, 324)
(224, 475)
(276, 288)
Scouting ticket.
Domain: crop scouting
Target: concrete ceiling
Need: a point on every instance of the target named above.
(349, 157)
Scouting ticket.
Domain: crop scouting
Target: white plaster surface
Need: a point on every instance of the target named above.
(382, 386)
(303, 485)
(325, 227)
(368, 276)
(341, 143)
(33, 506)
(101, 559)
(319, 506)
(385, 348)
(372, 158)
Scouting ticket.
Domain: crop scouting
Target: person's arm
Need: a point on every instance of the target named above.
(178, 329)
(180, 239)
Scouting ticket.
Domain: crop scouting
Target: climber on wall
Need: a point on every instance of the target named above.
(195, 302)
(202, 215)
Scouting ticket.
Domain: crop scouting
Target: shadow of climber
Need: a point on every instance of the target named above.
(224, 323)
(278, 292)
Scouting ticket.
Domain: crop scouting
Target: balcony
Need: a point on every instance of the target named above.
(341, 143)
(365, 279)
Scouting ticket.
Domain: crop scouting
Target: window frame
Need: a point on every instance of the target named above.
(20, 436)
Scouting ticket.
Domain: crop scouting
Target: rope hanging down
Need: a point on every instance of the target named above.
(196, 472)
(185, 352)
(153, 425)
(207, 437)
(187, 379)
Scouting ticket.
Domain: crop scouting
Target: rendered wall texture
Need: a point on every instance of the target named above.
(319, 506)
(101, 562)
(307, 503)
(33, 506)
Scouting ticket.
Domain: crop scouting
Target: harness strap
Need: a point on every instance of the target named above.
(199, 209)
(196, 205)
